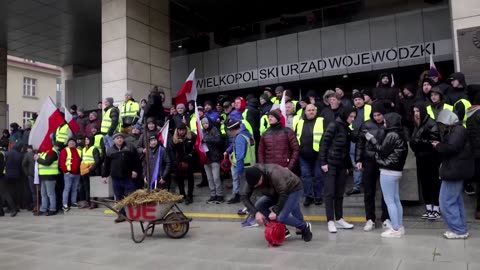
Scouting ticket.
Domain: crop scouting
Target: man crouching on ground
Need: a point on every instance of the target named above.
(281, 190)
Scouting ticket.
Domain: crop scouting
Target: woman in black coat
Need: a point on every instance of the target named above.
(457, 165)
(428, 162)
(390, 156)
(334, 159)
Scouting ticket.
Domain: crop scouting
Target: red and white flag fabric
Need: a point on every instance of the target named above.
(47, 122)
(200, 147)
(188, 91)
(283, 107)
(393, 82)
(433, 68)
(73, 127)
(163, 134)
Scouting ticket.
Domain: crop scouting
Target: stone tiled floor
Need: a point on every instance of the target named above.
(93, 242)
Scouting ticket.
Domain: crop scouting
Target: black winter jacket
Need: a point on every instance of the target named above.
(13, 163)
(165, 163)
(365, 149)
(473, 129)
(330, 115)
(391, 154)
(214, 141)
(121, 162)
(423, 135)
(335, 145)
(455, 153)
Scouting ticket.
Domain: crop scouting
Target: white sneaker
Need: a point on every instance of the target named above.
(342, 224)
(369, 226)
(391, 233)
(402, 230)
(387, 224)
(331, 227)
(452, 235)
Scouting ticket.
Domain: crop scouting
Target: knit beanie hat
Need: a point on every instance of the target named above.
(378, 107)
(358, 95)
(252, 175)
(109, 99)
(264, 97)
(205, 120)
(278, 115)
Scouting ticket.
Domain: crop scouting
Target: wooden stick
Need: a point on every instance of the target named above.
(37, 201)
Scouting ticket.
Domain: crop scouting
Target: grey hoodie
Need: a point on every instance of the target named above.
(447, 118)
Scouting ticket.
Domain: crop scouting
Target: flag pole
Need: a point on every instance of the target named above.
(37, 207)
(146, 142)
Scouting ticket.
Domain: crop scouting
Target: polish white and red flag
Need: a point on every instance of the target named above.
(73, 127)
(188, 92)
(433, 68)
(47, 122)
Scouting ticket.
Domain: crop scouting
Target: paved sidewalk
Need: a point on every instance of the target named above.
(94, 242)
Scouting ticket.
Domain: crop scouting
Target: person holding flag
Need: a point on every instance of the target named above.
(160, 159)
(184, 144)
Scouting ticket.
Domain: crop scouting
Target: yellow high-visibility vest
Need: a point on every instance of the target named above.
(87, 155)
(61, 135)
(107, 122)
(367, 111)
(245, 122)
(52, 169)
(317, 132)
(264, 124)
(249, 159)
(98, 142)
(129, 109)
(68, 161)
(445, 107)
(467, 105)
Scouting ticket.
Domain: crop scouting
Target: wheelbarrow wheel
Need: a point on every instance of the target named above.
(176, 230)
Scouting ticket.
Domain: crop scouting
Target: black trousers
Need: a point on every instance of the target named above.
(333, 191)
(84, 194)
(427, 175)
(180, 177)
(59, 191)
(7, 190)
(371, 174)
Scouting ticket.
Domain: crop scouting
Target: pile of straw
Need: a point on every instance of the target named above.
(143, 196)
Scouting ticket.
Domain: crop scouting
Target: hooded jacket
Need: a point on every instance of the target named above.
(365, 149)
(437, 107)
(454, 149)
(424, 134)
(384, 92)
(455, 94)
(335, 143)
(13, 163)
(473, 129)
(391, 153)
(406, 105)
(211, 136)
(253, 116)
(278, 145)
(278, 183)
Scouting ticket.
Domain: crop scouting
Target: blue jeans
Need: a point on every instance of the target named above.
(290, 215)
(312, 178)
(237, 181)
(49, 197)
(71, 187)
(357, 174)
(122, 187)
(452, 207)
(391, 194)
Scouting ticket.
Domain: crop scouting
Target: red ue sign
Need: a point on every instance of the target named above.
(142, 212)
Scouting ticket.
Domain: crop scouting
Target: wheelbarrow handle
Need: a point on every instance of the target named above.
(111, 208)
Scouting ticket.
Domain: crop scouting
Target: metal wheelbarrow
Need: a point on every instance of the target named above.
(175, 223)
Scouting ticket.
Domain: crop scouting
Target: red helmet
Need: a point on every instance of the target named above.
(274, 233)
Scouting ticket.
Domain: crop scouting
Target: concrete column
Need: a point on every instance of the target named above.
(3, 89)
(135, 47)
(465, 14)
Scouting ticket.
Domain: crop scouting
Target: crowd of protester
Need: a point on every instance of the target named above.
(315, 141)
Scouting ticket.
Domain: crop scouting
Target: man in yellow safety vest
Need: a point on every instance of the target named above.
(129, 112)
(309, 132)
(48, 172)
(110, 120)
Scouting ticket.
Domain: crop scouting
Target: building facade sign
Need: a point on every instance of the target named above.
(397, 54)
